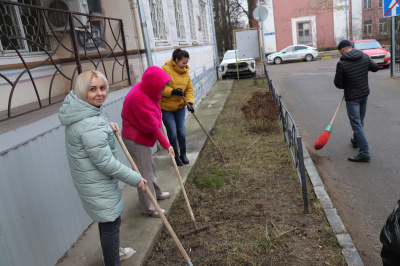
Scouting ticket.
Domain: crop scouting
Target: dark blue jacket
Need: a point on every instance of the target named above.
(352, 74)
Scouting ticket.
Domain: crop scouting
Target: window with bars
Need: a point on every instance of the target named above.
(304, 32)
(180, 26)
(367, 4)
(192, 21)
(367, 27)
(203, 18)
(158, 21)
(383, 26)
(23, 29)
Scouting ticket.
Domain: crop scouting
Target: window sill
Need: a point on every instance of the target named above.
(162, 43)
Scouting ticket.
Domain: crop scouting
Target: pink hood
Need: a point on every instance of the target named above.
(141, 112)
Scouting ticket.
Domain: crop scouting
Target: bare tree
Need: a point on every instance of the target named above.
(226, 19)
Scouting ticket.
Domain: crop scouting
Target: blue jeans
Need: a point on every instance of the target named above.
(175, 124)
(356, 111)
(109, 238)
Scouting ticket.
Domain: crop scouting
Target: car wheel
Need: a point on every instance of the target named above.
(309, 57)
(386, 66)
(277, 60)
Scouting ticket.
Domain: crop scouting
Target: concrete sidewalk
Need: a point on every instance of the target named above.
(138, 231)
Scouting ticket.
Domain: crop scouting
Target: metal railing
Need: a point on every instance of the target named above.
(62, 38)
(292, 137)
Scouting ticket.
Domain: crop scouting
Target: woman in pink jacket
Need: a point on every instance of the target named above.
(141, 128)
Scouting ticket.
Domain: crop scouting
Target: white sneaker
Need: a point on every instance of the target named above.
(155, 214)
(164, 196)
(125, 253)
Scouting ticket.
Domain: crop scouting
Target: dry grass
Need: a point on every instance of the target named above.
(256, 214)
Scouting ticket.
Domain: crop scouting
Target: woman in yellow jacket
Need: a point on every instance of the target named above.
(173, 105)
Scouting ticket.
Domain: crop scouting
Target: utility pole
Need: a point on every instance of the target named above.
(347, 21)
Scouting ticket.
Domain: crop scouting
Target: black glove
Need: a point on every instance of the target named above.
(190, 108)
(178, 92)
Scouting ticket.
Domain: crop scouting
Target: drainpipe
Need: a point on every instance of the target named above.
(138, 37)
(145, 34)
(214, 36)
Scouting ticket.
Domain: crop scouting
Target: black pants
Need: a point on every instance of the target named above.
(109, 238)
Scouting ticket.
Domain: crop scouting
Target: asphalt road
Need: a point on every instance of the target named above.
(363, 193)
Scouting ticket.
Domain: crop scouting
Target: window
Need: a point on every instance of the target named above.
(380, 3)
(192, 21)
(300, 48)
(382, 26)
(203, 17)
(304, 32)
(24, 30)
(157, 19)
(367, 4)
(180, 26)
(289, 49)
(367, 27)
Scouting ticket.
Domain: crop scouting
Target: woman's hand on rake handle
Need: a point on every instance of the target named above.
(142, 184)
(171, 152)
(190, 108)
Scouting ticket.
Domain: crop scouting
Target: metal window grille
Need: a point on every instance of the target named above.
(368, 27)
(304, 33)
(192, 21)
(367, 4)
(24, 29)
(180, 26)
(157, 18)
(203, 18)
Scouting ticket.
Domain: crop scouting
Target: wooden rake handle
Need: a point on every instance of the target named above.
(337, 110)
(180, 181)
(208, 135)
(154, 201)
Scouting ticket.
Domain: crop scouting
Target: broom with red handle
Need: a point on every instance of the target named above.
(323, 139)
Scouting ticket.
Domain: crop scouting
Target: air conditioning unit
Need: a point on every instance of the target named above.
(58, 21)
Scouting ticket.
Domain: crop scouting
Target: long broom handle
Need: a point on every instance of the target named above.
(337, 110)
(154, 201)
(208, 135)
(180, 181)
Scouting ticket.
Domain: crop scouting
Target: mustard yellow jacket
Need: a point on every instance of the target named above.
(180, 78)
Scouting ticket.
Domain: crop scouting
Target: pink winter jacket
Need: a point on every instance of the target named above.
(141, 112)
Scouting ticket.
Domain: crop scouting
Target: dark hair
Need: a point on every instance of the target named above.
(179, 54)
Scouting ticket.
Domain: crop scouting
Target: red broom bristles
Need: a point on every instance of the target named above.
(322, 140)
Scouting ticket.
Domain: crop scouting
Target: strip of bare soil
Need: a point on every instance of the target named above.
(256, 212)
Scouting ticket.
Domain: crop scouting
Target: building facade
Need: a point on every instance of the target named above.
(44, 45)
(323, 23)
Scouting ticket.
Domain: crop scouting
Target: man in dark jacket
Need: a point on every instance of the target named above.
(352, 76)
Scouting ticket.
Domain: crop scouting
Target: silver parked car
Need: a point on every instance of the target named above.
(247, 66)
(294, 52)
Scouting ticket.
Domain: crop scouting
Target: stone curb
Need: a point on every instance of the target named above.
(328, 55)
(349, 250)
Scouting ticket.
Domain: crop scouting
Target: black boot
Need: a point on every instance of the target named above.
(183, 157)
(177, 159)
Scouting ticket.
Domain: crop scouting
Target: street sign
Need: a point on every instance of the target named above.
(391, 8)
(260, 13)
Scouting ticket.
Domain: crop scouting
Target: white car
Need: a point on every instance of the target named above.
(294, 52)
(247, 67)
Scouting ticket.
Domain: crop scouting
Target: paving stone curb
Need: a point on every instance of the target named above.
(349, 250)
